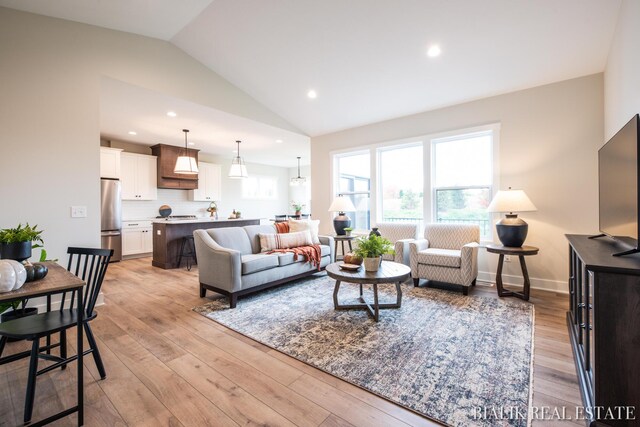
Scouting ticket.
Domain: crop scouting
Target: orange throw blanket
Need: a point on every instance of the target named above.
(312, 252)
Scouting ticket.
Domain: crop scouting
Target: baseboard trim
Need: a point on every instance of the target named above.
(556, 286)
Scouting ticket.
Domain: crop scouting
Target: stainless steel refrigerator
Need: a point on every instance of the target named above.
(111, 216)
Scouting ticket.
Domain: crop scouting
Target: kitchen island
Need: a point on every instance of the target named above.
(168, 234)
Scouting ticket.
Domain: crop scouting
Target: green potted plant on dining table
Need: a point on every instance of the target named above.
(17, 243)
(371, 248)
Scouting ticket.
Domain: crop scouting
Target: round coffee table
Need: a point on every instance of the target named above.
(389, 272)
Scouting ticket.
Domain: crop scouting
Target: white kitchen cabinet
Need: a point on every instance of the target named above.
(110, 162)
(209, 183)
(137, 237)
(138, 174)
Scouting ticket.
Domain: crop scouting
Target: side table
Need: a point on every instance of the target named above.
(341, 240)
(520, 252)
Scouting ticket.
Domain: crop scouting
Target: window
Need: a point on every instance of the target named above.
(462, 179)
(260, 187)
(353, 180)
(401, 183)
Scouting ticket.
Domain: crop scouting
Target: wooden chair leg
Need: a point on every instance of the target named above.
(31, 381)
(203, 291)
(416, 282)
(233, 300)
(63, 347)
(94, 350)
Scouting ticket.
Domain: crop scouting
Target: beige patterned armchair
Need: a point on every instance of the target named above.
(400, 234)
(448, 253)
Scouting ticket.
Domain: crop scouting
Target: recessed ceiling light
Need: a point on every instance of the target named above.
(312, 94)
(133, 132)
(171, 113)
(278, 141)
(434, 51)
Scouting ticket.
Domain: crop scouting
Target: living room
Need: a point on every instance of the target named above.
(546, 86)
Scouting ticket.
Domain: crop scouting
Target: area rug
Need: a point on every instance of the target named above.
(460, 360)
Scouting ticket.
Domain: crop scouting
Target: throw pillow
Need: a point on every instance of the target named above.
(306, 224)
(269, 242)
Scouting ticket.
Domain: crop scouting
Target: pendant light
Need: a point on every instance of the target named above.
(186, 164)
(238, 168)
(299, 180)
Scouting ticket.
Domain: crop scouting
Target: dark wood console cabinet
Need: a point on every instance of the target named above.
(604, 326)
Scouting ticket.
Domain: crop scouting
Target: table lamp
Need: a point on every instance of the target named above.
(512, 231)
(341, 205)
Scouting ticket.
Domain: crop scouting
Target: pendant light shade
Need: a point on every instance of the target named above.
(238, 168)
(299, 180)
(186, 164)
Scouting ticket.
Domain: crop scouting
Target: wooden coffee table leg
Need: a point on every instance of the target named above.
(376, 307)
(398, 294)
(335, 294)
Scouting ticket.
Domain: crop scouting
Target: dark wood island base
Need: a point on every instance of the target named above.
(167, 237)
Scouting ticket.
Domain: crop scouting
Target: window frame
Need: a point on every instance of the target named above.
(375, 201)
(379, 150)
(493, 131)
(335, 182)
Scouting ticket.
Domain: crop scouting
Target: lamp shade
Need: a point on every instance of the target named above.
(186, 165)
(342, 204)
(511, 201)
(238, 170)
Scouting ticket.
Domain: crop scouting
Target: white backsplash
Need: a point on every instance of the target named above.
(177, 199)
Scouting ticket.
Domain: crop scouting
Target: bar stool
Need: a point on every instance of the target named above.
(188, 250)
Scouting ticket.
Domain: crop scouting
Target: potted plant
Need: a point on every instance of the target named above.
(16, 243)
(371, 248)
(348, 231)
(297, 206)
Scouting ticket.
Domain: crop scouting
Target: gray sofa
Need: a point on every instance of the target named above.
(230, 261)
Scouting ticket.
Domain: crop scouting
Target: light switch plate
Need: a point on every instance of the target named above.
(78, 211)
(159, 232)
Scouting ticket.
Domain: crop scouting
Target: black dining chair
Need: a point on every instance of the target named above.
(90, 265)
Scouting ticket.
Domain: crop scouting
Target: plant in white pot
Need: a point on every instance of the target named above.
(371, 248)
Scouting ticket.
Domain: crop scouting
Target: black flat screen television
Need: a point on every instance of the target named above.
(618, 186)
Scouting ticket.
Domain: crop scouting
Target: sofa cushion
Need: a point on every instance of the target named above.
(258, 262)
(287, 258)
(306, 224)
(269, 242)
(253, 231)
(231, 238)
(441, 257)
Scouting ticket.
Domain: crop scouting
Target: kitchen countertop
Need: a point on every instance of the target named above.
(196, 220)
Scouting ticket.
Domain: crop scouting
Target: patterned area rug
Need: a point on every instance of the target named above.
(443, 355)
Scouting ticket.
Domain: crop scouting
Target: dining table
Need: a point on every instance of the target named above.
(57, 281)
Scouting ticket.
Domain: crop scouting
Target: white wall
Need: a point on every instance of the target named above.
(622, 73)
(548, 147)
(49, 114)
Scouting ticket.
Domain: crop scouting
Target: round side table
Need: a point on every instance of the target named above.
(520, 252)
(341, 240)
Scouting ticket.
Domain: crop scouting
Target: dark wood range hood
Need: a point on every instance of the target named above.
(167, 178)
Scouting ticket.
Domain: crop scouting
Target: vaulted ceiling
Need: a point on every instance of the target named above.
(366, 59)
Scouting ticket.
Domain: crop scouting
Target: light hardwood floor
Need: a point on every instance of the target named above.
(168, 366)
